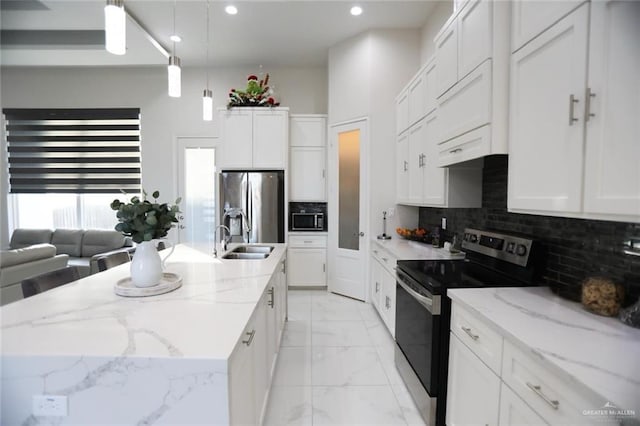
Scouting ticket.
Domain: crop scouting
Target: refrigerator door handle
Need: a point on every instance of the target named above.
(249, 214)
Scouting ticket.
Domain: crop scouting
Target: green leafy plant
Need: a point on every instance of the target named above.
(143, 220)
(257, 93)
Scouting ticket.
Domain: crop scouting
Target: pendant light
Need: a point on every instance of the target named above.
(115, 27)
(207, 97)
(173, 70)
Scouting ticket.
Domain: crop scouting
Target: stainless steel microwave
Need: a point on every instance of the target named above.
(307, 222)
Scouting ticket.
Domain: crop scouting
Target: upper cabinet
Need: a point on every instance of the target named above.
(254, 137)
(417, 99)
(574, 125)
(308, 181)
(471, 81)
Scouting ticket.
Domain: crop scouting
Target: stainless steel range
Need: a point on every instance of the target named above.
(423, 311)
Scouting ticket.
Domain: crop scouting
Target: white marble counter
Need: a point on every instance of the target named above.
(597, 352)
(83, 341)
(413, 250)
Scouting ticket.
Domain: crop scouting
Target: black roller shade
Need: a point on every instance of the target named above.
(79, 151)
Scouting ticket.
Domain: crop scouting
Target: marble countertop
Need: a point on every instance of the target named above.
(203, 319)
(413, 250)
(600, 353)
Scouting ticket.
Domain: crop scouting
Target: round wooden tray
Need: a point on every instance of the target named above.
(168, 282)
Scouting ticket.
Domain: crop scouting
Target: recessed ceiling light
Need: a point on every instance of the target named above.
(356, 10)
(175, 38)
(231, 10)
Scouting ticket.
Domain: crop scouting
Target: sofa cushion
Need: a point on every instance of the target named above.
(98, 241)
(26, 237)
(68, 241)
(26, 254)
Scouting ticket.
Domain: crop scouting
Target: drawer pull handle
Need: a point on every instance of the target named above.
(455, 151)
(572, 102)
(538, 391)
(377, 286)
(387, 302)
(250, 339)
(308, 242)
(468, 331)
(271, 300)
(385, 259)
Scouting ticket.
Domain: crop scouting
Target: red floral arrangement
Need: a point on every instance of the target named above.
(257, 93)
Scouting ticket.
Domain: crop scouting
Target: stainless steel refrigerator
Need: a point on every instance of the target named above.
(252, 205)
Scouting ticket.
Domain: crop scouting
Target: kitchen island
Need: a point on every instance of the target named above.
(162, 359)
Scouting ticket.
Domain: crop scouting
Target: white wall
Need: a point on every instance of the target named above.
(303, 90)
(436, 19)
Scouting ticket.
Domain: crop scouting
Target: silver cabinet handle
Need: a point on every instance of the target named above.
(572, 102)
(324, 267)
(271, 293)
(538, 391)
(587, 104)
(405, 165)
(387, 302)
(468, 331)
(377, 287)
(385, 259)
(250, 339)
(308, 242)
(375, 251)
(361, 234)
(455, 151)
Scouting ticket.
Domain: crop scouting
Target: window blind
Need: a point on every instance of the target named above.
(73, 150)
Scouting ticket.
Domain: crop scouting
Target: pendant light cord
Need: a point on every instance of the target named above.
(174, 25)
(207, 63)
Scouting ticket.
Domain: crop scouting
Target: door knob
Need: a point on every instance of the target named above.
(181, 226)
(361, 234)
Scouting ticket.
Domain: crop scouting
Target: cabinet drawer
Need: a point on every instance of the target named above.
(555, 400)
(479, 337)
(467, 105)
(472, 145)
(314, 241)
(386, 259)
(514, 411)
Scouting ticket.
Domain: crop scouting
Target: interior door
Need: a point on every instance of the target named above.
(196, 186)
(348, 198)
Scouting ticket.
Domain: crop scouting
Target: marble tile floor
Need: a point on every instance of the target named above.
(336, 367)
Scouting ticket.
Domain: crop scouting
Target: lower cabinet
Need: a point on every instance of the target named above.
(252, 364)
(307, 260)
(383, 287)
(514, 411)
(473, 390)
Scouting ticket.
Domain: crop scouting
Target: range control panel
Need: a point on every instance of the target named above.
(509, 248)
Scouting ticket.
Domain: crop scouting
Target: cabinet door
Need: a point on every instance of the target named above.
(270, 139)
(430, 91)
(417, 97)
(612, 174)
(475, 35)
(434, 184)
(261, 367)
(237, 137)
(242, 407)
(388, 301)
(530, 18)
(308, 131)
(402, 168)
(546, 127)
(447, 58)
(271, 325)
(376, 283)
(473, 390)
(307, 267)
(307, 174)
(417, 143)
(514, 411)
(402, 112)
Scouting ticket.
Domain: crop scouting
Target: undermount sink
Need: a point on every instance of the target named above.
(249, 253)
(253, 249)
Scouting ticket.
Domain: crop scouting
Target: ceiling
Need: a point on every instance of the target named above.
(269, 33)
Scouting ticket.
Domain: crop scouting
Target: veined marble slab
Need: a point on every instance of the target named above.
(120, 360)
(413, 250)
(599, 353)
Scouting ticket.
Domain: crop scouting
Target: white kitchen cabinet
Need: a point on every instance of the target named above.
(530, 18)
(376, 283)
(402, 168)
(472, 75)
(254, 137)
(241, 404)
(612, 143)
(514, 411)
(417, 143)
(383, 266)
(582, 133)
(473, 390)
(261, 357)
(402, 111)
(308, 157)
(418, 98)
(307, 255)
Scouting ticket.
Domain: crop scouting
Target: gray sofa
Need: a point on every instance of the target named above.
(36, 251)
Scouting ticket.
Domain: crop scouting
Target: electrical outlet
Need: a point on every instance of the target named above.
(444, 223)
(391, 211)
(50, 405)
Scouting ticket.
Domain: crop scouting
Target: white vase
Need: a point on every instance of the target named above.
(146, 266)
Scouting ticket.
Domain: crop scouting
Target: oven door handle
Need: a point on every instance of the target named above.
(427, 302)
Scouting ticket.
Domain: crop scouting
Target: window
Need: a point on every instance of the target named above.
(67, 165)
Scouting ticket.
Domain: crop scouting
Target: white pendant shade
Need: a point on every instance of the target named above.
(115, 27)
(175, 89)
(207, 105)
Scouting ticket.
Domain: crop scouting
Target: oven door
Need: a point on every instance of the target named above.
(418, 342)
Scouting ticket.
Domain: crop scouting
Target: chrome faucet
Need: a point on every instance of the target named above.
(234, 212)
(225, 240)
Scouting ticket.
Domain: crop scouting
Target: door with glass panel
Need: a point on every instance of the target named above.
(348, 201)
(196, 186)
